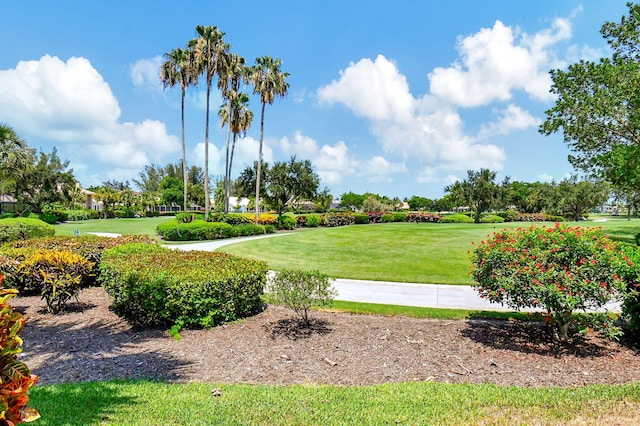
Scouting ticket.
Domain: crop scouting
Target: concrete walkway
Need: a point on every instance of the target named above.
(384, 292)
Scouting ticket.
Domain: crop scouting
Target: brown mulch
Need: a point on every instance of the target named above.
(90, 342)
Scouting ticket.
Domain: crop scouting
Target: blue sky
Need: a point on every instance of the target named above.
(398, 98)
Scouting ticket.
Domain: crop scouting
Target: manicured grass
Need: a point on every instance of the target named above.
(145, 226)
(420, 253)
(153, 403)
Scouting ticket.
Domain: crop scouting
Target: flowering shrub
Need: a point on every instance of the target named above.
(337, 219)
(423, 217)
(630, 273)
(559, 269)
(15, 376)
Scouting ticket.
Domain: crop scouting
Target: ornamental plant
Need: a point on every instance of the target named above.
(15, 376)
(301, 290)
(558, 269)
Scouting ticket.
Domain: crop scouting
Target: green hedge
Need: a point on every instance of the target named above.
(361, 219)
(456, 218)
(192, 289)
(22, 228)
(491, 218)
(199, 230)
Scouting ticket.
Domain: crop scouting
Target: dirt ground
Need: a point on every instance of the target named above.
(89, 342)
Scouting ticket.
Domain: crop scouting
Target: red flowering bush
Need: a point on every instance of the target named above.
(558, 269)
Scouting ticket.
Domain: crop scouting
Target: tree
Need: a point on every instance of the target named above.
(268, 81)
(479, 191)
(419, 203)
(352, 201)
(47, 183)
(208, 47)
(598, 105)
(178, 69)
(577, 197)
(171, 191)
(150, 178)
(16, 158)
(285, 183)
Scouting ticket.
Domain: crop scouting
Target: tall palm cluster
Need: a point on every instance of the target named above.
(208, 57)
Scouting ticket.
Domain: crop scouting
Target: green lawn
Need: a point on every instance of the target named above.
(146, 226)
(423, 253)
(152, 403)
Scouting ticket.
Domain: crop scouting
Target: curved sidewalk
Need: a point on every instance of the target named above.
(386, 292)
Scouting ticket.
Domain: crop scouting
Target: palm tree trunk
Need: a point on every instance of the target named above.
(184, 156)
(206, 159)
(227, 168)
(259, 163)
(233, 147)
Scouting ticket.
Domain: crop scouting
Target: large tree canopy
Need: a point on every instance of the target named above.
(598, 105)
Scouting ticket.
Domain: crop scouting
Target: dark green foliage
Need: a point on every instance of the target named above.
(308, 221)
(190, 217)
(13, 229)
(286, 222)
(189, 289)
(337, 219)
(230, 218)
(199, 230)
(49, 218)
(399, 217)
(629, 272)
(456, 218)
(361, 219)
(74, 215)
(508, 215)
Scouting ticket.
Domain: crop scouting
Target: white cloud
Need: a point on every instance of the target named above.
(495, 62)
(545, 177)
(510, 119)
(380, 166)
(145, 73)
(70, 103)
(332, 162)
(371, 89)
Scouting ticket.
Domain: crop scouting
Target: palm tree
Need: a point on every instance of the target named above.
(236, 114)
(15, 158)
(268, 81)
(232, 73)
(178, 68)
(208, 47)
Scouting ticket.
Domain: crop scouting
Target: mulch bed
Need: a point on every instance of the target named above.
(89, 342)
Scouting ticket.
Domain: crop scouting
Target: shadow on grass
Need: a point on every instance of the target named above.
(78, 404)
(532, 337)
(296, 328)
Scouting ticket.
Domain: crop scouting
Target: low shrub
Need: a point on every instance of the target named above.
(15, 377)
(199, 230)
(190, 217)
(531, 217)
(387, 218)
(629, 272)
(91, 247)
(190, 289)
(456, 218)
(423, 217)
(286, 222)
(560, 270)
(491, 218)
(375, 217)
(150, 213)
(301, 290)
(361, 219)
(49, 218)
(508, 215)
(56, 275)
(20, 228)
(337, 219)
(264, 218)
(249, 229)
(230, 218)
(74, 215)
(553, 218)
(399, 216)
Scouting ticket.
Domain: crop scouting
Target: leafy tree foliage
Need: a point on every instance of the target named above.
(47, 183)
(479, 191)
(598, 106)
(352, 201)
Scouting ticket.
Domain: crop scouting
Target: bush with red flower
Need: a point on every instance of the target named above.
(560, 270)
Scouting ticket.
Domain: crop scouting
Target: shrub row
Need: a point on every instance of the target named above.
(337, 219)
(423, 217)
(21, 228)
(456, 218)
(199, 230)
(185, 289)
